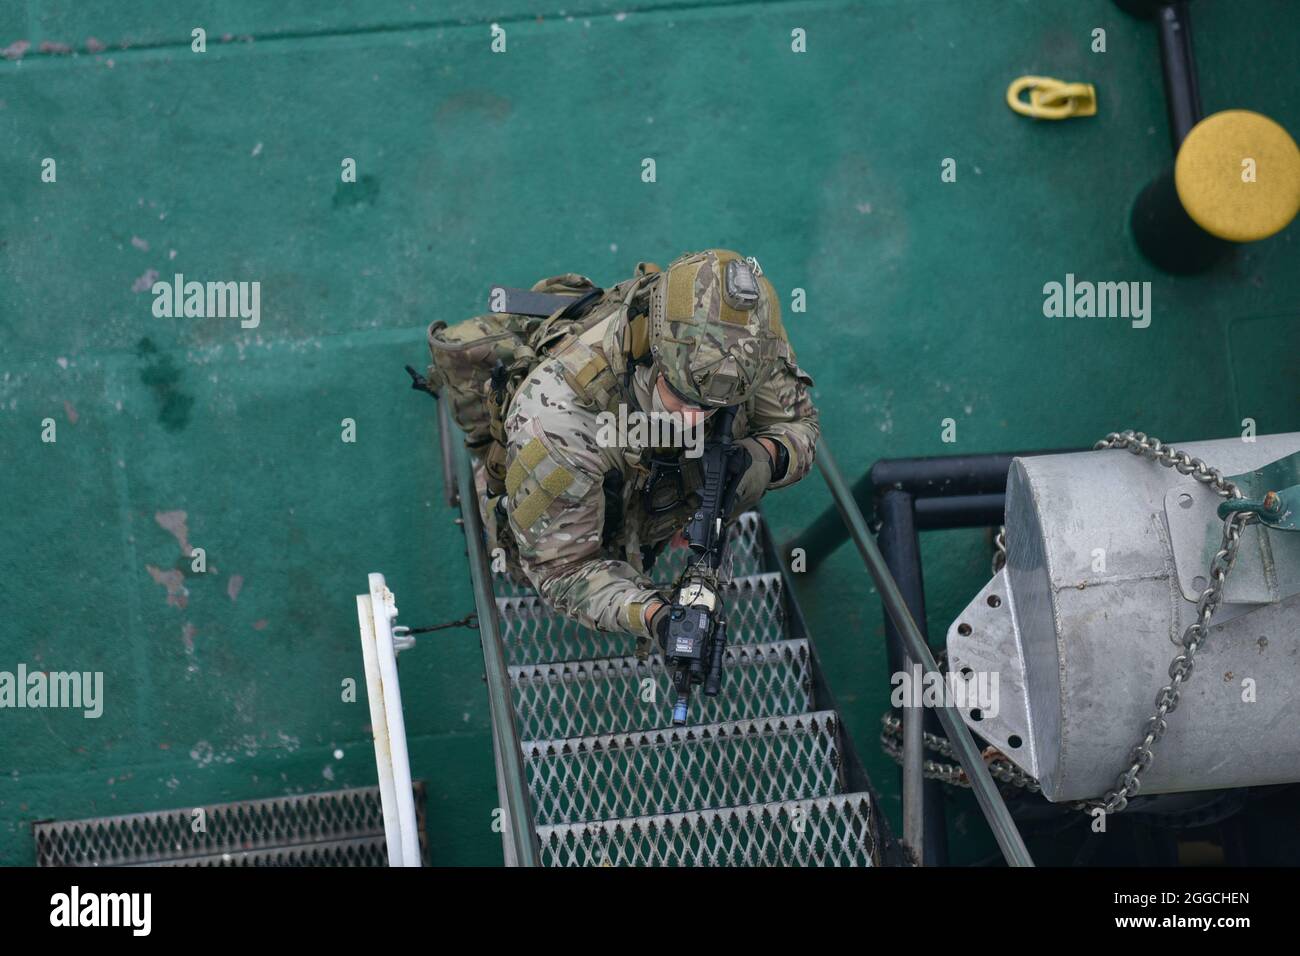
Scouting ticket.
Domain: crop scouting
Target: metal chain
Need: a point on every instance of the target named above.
(891, 741)
(1180, 669)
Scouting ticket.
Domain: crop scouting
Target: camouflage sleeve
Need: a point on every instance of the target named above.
(783, 410)
(556, 503)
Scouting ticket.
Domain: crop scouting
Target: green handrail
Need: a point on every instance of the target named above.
(963, 743)
(519, 807)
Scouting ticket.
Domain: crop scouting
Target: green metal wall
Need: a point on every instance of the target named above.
(924, 303)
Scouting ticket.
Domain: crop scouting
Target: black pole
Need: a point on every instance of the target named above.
(1182, 89)
(951, 491)
(944, 475)
(900, 546)
(963, 511)
(1162, 229)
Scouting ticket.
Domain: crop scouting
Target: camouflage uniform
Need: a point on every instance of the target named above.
(565, 489)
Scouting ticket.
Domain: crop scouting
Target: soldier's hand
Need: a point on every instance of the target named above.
(757, 475)
(657, 624)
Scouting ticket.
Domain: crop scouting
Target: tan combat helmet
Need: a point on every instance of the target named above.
(715, 327)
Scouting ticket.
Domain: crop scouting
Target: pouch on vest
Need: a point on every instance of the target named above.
(478, 364)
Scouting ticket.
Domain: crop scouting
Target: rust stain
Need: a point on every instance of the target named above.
(233, 586)
(177, 594)
(174, 521)
(146, 281)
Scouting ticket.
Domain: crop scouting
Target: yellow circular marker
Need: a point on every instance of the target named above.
(1238, 176)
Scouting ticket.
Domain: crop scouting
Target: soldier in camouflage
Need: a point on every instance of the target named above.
(588, 515)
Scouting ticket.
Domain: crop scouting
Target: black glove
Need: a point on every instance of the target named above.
(659, 625)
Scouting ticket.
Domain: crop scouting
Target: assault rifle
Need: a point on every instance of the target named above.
(697, 625)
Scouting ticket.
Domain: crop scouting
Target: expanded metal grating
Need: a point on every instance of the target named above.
(534, 634)
(756, 780)
(503, 587)
(744, 553)
(744, 557)
(338, 828)
(828, 831)
(622, 694)
(683, 768)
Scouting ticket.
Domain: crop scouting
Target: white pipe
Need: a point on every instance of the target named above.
(384, 610)
(379, 730)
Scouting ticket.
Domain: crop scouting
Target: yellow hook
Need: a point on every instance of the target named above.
(1052, 99)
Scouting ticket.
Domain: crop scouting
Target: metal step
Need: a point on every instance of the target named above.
(334, 828)
(534, 634)
(622, 694)
(827, 831)
(744, 553)
(756, 779)
(683, 768)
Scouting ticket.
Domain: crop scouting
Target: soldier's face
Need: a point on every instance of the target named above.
(691, 415)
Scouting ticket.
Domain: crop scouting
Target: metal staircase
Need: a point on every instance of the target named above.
(590, 771)
(766, 774)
